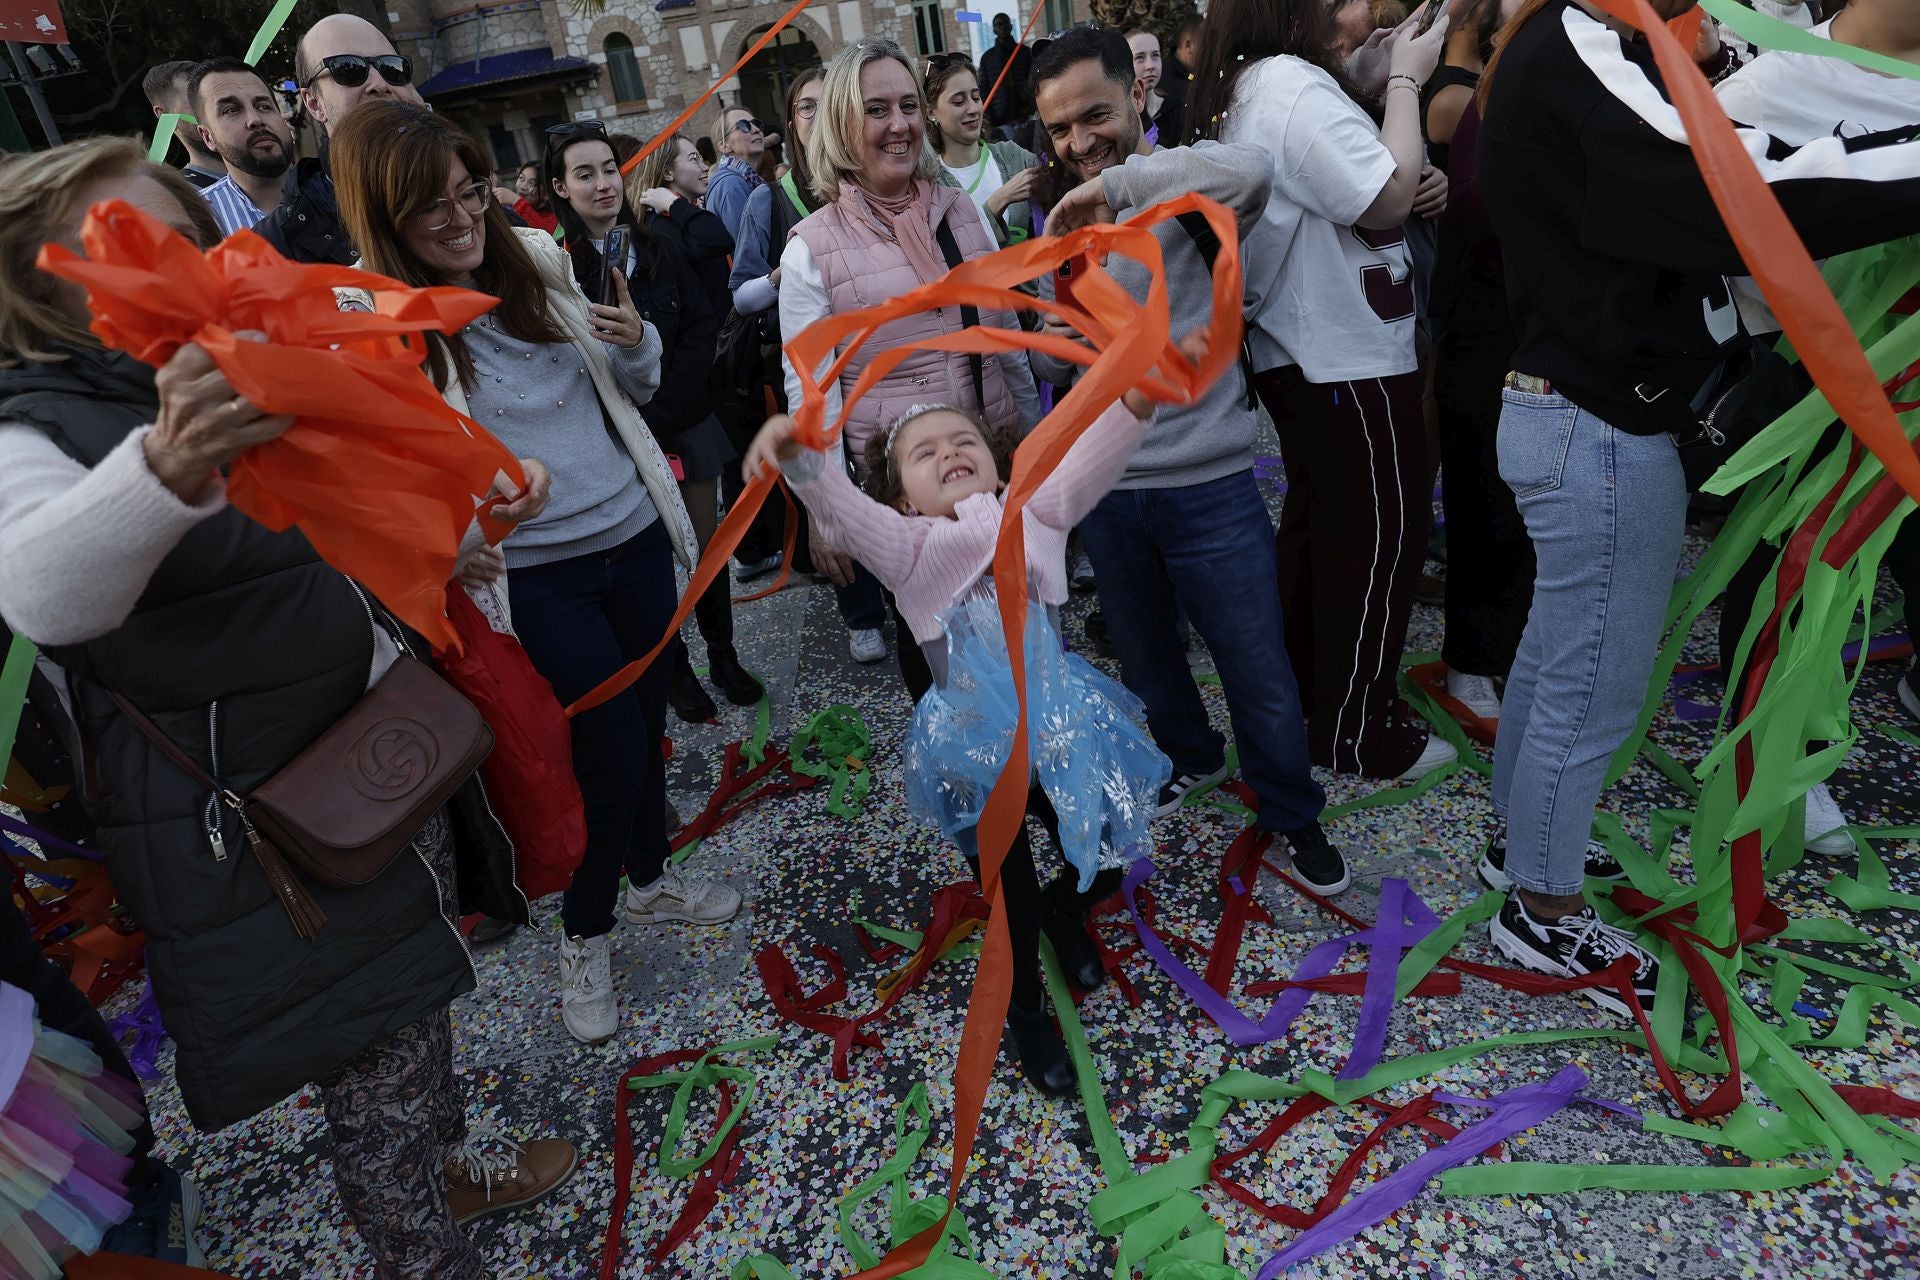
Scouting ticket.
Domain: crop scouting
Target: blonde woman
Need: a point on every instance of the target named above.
(739, 141)
(888, 226)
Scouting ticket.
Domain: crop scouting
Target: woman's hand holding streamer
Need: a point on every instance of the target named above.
(203, 423)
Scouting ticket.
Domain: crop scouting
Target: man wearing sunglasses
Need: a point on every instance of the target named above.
(342, 61)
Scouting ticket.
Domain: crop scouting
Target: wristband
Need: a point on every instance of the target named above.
(1411, 82)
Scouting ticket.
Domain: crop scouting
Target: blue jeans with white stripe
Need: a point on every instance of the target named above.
(1606, 510)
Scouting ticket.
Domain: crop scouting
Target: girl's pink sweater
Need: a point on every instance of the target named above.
(929, 562)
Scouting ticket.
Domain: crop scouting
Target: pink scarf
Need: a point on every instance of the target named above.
(909, 220)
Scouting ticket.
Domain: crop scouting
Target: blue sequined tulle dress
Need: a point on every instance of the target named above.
(1087, 741)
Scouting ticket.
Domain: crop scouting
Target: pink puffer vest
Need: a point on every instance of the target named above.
(863, 266)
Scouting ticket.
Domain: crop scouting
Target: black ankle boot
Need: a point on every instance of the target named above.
(1042, 1053)
(1064, 921)
(1073, 947)
(690, 701)
(734, 681)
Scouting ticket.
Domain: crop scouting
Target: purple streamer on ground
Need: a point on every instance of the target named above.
(143, 1021)
(1688, 709)
(45, 841)
(1403, 921)
(1514, 1112)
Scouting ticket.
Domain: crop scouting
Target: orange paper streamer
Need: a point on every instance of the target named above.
(377, 471)
(766, 38)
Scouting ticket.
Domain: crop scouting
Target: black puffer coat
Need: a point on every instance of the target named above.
(243, 648)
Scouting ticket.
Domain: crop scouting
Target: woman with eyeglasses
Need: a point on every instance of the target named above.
(590, 582)
(740, 141)
(996, 175)
(664, 187)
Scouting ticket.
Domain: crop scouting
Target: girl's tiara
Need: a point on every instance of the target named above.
(913, 411)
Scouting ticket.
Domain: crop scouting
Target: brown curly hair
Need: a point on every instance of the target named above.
(883, 481)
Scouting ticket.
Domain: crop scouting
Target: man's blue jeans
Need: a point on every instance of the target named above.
(1606, 510)
(1207, 550)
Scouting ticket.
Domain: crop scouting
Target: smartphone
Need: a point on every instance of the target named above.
(1429, 16)
(1063, 281)
(613, 257)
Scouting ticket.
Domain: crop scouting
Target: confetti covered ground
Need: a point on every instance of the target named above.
(271, 1209)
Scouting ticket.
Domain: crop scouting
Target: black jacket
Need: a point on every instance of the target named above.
(1014, 102)
(701, 240)
(1615, 252)
(243, 647)
(305, 226)
(670, 298)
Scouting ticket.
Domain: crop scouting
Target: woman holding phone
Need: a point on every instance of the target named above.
(590, 195)
(591, 580)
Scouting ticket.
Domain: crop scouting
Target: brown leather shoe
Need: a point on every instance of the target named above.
(492, 1174)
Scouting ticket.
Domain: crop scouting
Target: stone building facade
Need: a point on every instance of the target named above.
(508, 69)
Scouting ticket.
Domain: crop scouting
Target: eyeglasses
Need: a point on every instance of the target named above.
(942, 61)
(439, 215)
(350, 70)
(567, 128)
(805, 108)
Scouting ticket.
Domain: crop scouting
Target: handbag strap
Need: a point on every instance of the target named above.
(168, 747)
(1208, 245)
(969, 314)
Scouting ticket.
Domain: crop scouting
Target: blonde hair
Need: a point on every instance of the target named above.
(720, 130)
(652, 172)
(833, 152)
(39, 200)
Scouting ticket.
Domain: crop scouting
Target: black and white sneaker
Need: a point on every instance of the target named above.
(1909, 690)
(1317, 860)
(1175, 793)
(1493, 864)
(1571, 947)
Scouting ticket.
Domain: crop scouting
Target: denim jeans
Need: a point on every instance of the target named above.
(1207, 550)
(1606, 511)
(580, 621)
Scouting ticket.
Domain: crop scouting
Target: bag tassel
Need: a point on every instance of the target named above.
(301, 909)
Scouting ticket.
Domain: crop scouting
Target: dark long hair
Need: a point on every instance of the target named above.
(389, 161)
(573, 228)
(1239, 33)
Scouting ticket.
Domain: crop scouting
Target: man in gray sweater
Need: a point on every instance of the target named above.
(1185, 529)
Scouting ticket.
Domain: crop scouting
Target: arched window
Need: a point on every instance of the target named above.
(625, 69)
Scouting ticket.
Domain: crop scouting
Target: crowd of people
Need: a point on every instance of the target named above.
(1475, 242)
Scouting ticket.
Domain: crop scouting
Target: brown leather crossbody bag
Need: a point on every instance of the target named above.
(344, 808)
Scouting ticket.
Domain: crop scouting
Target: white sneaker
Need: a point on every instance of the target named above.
(1082, 579)
(681, 897)
(1826, 828)
(1909, 688)
(867, 645)
(586, 989)
(1475, 693)
(1439, 752)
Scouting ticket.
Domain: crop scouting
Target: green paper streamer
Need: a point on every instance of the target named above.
(1771, 33)
(276, 19)
(163, 129)
(842, 737)
(15, 675)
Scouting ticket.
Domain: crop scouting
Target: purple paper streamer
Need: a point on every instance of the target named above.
(1688, 709)
(149, 1033)
(1389, 942)
(1683, 678)
(45, 841)
(1514, 1112)
(1402, 922)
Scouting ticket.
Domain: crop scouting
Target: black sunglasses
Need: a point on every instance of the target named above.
(350, 70)
(748, 125)
(567, 128)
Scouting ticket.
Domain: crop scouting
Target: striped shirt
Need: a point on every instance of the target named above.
(231, 207)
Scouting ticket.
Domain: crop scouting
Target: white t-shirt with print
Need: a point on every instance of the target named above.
(1342, 305)
(1797, 98)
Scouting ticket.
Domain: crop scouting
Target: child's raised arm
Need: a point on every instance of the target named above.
(881, 538)
(1100, 456)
